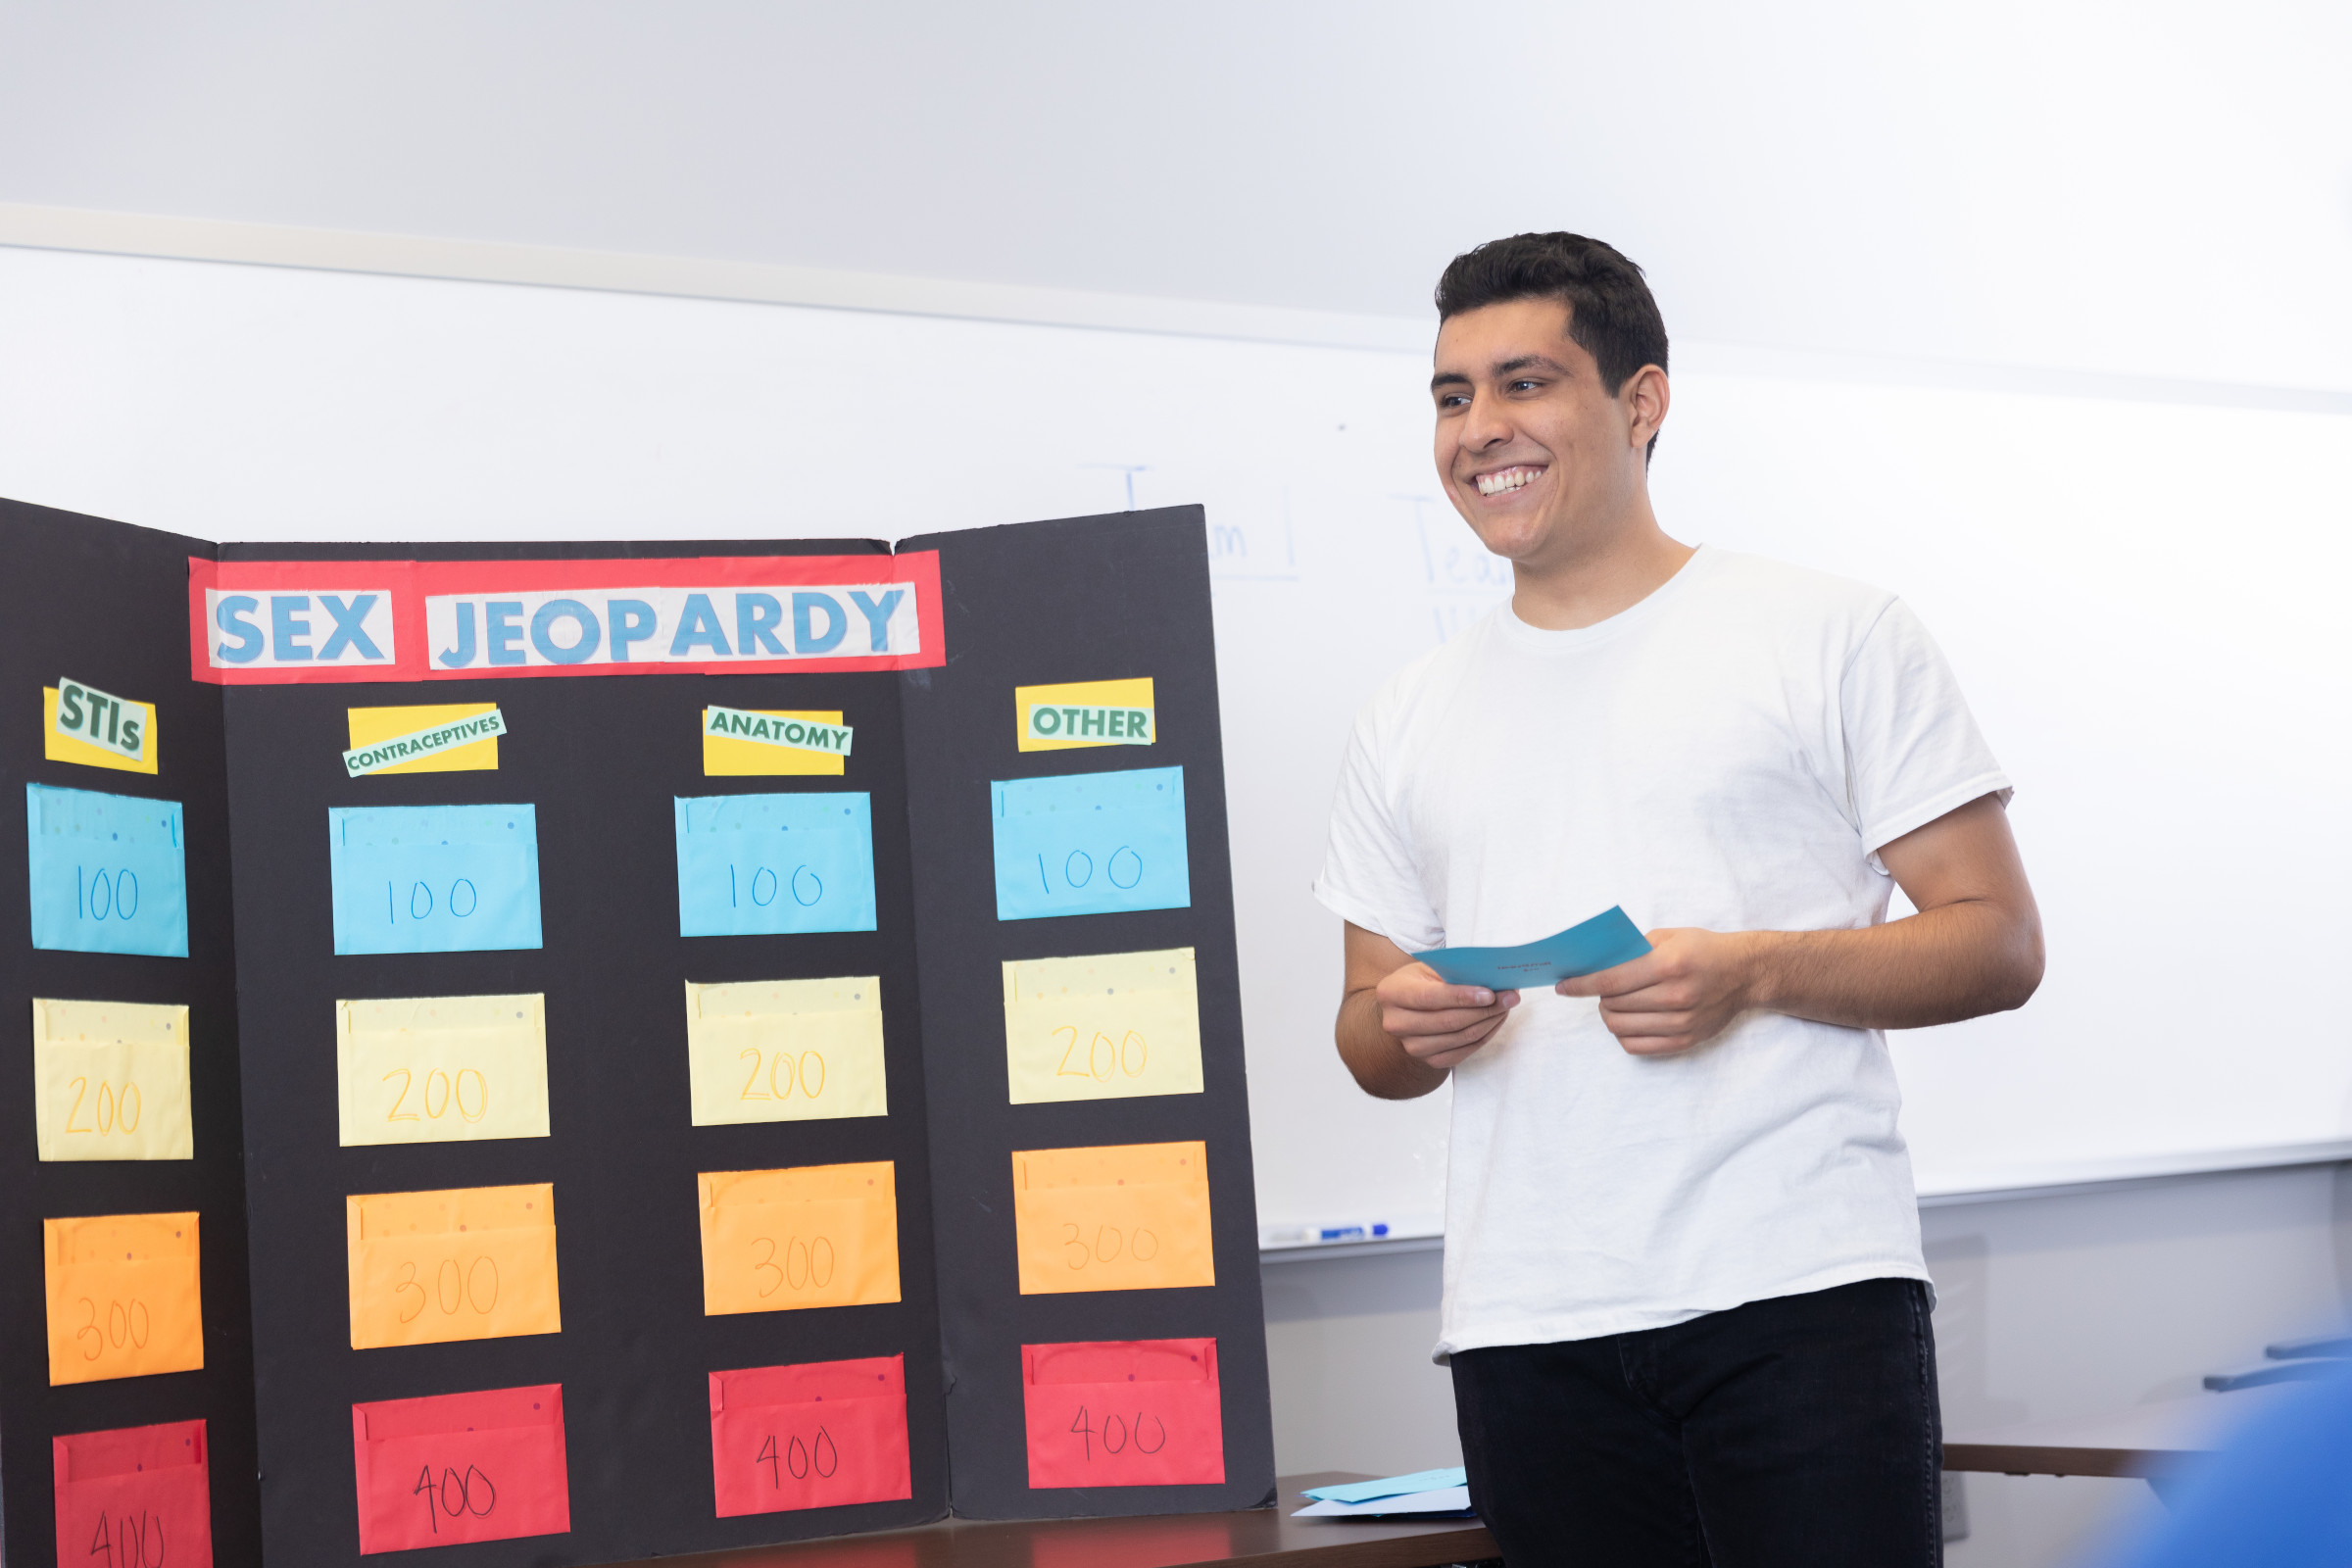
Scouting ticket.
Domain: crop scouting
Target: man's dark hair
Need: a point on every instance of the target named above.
(1610, 312)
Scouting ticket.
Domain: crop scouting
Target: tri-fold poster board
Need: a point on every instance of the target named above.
(591, 1051)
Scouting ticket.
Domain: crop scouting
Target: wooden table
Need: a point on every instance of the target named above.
(2151, 1442)
(1262, 1537)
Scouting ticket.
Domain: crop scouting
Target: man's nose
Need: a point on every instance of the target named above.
(1489, 424)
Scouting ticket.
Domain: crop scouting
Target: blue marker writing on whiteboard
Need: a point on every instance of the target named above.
(1314, 1235)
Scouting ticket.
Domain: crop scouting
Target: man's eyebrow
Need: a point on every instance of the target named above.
(1508, 368)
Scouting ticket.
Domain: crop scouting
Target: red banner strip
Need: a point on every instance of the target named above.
(275, 622)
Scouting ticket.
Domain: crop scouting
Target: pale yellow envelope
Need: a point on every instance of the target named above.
(110, 1080)
(727, 757)
(1109, 1027)
(467, 1264)
(1116, 1217)
(785, 1050)
(369, 725)
(441, 1069)
(1129, 694)
(812, 1235)
(58, 748)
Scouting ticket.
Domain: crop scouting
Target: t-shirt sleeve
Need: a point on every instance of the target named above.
(1368, 871)
(1912, 749)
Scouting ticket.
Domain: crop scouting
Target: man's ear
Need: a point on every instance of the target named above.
(1645, 397)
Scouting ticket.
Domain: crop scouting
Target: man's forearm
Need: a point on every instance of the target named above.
(1380, 1064)
(1958, 961)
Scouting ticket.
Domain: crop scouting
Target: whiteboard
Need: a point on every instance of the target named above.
(2141, 599)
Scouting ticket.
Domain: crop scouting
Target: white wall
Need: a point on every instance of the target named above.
(2061, 546)
(2069, 1304)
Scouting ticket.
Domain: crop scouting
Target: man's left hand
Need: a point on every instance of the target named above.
(1683, 993)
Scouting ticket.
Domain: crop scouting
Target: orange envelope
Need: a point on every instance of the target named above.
(469, 1263)
(1120, 1217)
(124, 1297)
(774, 1241)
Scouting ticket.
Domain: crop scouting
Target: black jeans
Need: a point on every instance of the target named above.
(1801, 1429)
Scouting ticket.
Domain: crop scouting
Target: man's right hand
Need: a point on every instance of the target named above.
(1400, 1027)
(1437, 1023)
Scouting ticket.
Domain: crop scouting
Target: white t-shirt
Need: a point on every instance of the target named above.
(1730, 752)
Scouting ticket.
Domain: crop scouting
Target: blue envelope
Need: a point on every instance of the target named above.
(1091, 844)
(1603, 942)
(435, 878)
(109, 873)
(775, 865)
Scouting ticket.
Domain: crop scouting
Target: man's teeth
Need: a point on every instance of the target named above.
(1495, 484)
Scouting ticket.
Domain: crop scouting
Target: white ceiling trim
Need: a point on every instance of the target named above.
(205, 240)
(1967, 375)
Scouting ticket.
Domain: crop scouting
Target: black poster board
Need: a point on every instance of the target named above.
(1089, 599)
(599, 758)
(105, 604)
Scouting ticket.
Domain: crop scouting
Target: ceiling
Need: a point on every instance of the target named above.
(2146, 189)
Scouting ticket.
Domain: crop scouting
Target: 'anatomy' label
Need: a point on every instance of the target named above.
(773, 730)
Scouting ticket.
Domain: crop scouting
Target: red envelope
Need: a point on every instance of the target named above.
(812, 1436)
(1123, 1413)
(135, 1497)
(455, 1467)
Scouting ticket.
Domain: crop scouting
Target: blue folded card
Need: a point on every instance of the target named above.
(435, 878)
(775, 865)
(109, 873)
(1392, 1486)
(1603, 942)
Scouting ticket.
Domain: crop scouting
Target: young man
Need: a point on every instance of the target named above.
(1684, 1304)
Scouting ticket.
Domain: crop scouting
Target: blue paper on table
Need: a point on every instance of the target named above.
(1440, 1503)
(775, 865)
(1091, 844)
(1603, 942)
(109, 873)
(1391, 1487)
(435, 878)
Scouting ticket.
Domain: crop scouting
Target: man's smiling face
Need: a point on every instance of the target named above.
(1534, 453)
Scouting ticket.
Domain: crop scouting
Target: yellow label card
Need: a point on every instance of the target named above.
(369, 725)
(1103, 1028)
(467, 1264)
(726, 757)
(441, 1069)
(1122, 1217)
(110, 1080)
(1086, 712)
(785, 1050)
(124, 1297)
(97, 730)
(774, 1241)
